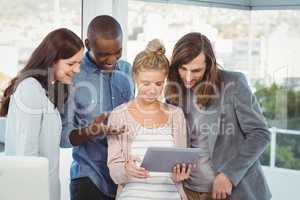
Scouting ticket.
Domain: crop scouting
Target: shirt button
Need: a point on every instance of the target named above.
(113, 97)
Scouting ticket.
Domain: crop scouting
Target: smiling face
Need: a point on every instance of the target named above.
(193, 71)
(65, 69)
(105, 52)
(150, 84)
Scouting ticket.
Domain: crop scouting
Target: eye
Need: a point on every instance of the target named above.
(146, 83)
(197, 70)
(119, 53)
(159, 83)
(73, 63)
(181, 68)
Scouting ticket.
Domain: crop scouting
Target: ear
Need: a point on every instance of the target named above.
(55, 63)
(120, 38)
(87, 44)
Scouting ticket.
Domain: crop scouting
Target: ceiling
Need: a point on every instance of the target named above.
(241, 4)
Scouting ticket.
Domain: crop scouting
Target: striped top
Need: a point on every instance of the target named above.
(158, 185)
(135, 143)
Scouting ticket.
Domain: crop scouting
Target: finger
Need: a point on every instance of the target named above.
(109, 129)
(229, 191)
(123, 128)
(113, 131)
(136, 174)
(101, 118)
(135, 158)
(183, 169)
(174, 175)
(141, 169)
(174, 170)
(133, 171)
(228, 196)
(119, 131)
(214, 194)
(223, 194)
(140, 172)
(94, 129)
(104, 128)
(189, 170)
(178, 169)
(218, 195)
(177, 172)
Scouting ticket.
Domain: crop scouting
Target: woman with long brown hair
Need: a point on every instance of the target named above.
(32, 99)
(224, 120)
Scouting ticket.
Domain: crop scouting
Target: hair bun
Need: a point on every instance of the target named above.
(155, 47)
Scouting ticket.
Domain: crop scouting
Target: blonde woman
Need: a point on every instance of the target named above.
(150, 123)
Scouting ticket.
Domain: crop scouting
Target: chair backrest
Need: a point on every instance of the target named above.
(24, 178)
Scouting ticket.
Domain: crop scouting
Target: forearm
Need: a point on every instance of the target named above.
(253, 126)
(82, 135)
(118, 172)
(249, 153)
(116, 159)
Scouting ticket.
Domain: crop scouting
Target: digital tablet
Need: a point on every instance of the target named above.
(163, 159)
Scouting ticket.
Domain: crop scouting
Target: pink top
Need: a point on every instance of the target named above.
(118, 145)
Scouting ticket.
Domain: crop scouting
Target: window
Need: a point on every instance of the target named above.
(261, 44)
(277, 80)
(228, 29)
(25, 23)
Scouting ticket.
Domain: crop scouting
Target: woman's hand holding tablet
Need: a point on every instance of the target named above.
(164, 159)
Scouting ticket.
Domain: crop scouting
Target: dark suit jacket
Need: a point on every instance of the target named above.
(240, 138)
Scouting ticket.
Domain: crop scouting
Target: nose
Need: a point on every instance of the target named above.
(112, 60)
(188, 76)
(152, 90)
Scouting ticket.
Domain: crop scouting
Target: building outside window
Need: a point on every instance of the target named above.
(261, 44)
(25, 23)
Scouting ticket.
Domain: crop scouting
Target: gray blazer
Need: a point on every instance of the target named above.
(240, 137)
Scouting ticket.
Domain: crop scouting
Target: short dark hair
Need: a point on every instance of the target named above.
(104, 26)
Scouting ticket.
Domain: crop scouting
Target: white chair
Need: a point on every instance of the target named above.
(24, 178)
(65, 163)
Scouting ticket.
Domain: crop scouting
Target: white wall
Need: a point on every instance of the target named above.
(284, 183)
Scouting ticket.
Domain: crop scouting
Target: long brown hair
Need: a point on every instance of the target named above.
(185, 50)
(58, 44)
